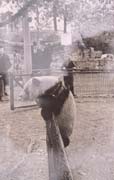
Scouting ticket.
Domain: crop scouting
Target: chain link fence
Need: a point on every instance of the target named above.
(94, 84)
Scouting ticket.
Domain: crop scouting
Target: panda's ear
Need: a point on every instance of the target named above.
(35, 82)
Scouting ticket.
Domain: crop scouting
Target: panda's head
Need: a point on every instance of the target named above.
(37, 86)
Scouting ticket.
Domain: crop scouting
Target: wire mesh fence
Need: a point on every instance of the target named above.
(94, 84)
(86, 84)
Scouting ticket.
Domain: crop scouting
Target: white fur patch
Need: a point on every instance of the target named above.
(67, 117)
(37, 86)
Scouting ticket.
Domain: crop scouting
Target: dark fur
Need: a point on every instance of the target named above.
(54, 98)
(52, 102)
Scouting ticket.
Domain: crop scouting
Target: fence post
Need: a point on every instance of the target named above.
(11, 78)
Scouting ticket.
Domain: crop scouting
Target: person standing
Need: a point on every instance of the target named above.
(68, 77)
(4, 67)
(1, 87)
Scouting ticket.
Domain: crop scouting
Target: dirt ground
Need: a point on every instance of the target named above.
(23, 153)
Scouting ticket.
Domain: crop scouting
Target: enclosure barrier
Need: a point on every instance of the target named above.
(86, 83)
(94, 83)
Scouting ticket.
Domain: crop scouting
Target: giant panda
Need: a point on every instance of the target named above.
(51, 94)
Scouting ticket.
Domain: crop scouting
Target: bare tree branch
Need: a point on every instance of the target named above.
(20, 13)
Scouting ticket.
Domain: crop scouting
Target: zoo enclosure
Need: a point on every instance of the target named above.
(94, 83)
(86, 83)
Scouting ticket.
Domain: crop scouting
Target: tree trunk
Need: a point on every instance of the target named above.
(55, 16)
(37, 19)
(27, 46)
(65, 19)
(65, 25)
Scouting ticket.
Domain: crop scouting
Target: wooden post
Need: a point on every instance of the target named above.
(27, 46)
(57, 160)
(11, 78)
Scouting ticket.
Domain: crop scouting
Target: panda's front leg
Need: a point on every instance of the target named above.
(47, 103)
(46, 113)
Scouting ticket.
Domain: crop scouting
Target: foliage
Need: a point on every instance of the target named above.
(79, 12)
